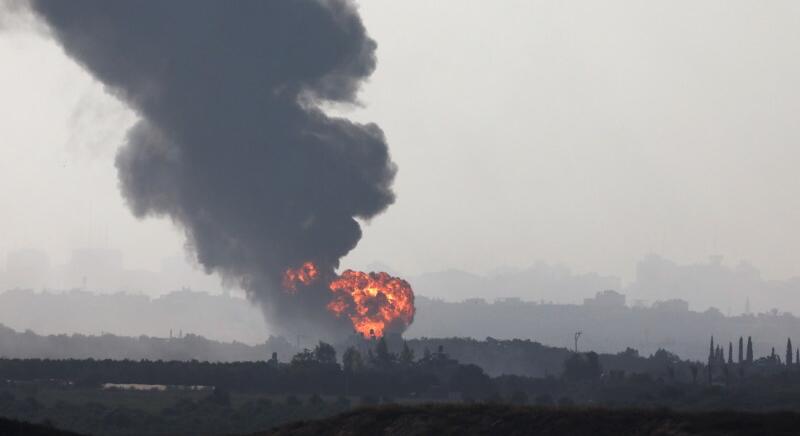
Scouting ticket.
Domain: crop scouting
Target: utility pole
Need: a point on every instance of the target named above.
(577, 335)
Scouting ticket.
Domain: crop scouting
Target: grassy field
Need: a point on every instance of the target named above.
(172, 411)
(11, 427)
(151, 401)
(196, 412)
(444, 420)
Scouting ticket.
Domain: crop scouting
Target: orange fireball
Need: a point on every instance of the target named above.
(372, 301)
(305, 275)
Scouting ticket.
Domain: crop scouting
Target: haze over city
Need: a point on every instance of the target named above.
(295, 217)
(613, 137)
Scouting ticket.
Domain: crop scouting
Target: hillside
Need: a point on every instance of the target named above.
(509, 420)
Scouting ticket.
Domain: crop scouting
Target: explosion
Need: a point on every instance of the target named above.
(232, 140)
(373, 302)
(305, 275)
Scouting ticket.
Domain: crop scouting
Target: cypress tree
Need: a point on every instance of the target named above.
(711, 350)
(789, 353)
(749, 349)
(741, 350)
(730, 352)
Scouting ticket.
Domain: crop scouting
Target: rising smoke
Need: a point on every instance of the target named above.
(231, 144)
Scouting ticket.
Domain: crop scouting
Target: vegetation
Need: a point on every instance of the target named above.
(12, 427)
(178, 412)
(211, 398)
(497, 419)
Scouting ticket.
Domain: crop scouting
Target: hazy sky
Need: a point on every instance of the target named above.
(587, 133)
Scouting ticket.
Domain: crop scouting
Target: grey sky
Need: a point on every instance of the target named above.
(586, 133)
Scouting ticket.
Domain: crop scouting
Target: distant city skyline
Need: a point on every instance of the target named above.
(731, 287)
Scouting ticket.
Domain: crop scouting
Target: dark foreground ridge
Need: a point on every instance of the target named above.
(509, 420)
(12, 427)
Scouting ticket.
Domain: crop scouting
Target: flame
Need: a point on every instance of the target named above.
(305, 274)
(372, 301)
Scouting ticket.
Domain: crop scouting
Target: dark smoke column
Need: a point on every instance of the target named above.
(230, 144)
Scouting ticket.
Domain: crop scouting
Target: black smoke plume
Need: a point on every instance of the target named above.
(231, 143)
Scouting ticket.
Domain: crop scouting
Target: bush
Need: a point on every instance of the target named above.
(316, 401)
(293, 401)
(519, 398)
(220, 397)
(582, 366)
(544, 400)
(369, 400)
(343, 401)
(494, 398)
